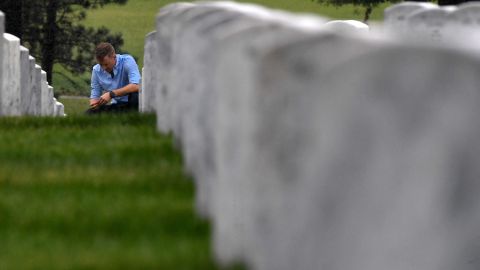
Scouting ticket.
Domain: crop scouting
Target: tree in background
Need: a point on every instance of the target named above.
(369, 5)
(51, 30)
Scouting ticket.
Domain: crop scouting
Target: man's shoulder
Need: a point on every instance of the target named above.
(126, 57)
(96, 68)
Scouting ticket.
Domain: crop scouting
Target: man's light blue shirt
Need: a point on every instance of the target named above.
(125, 72)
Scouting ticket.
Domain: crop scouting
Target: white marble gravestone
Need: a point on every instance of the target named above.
(55, 108)
(347, 26)
(431, 25)
(37, 91)
(395, 16)
(150, 84)
(51, 102)
(10, 102)
(195, 97)
(25, 81)
(237, 83)
(381, 175)
(246, 198)
(464, 25)
(165, 35)
(59, 109)
(33, 88)
(2, 21)
(44, 96)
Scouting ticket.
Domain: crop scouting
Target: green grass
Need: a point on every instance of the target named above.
(65, 83)
(74, 105)
(137, 18)
(104, 192)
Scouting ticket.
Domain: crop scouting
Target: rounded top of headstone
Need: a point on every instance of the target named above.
(151, 34)
(306, 22)
(347, 26)
(400, 11)
(174, 6)
(466, 15)
(432, 17)
(10, 37)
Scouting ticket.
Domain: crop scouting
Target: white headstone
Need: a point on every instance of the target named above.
(195, 98)
(51, 103)
(430, 25)
(60, 109)
(37, 91)
(237, 82)
(382, 164)
(10, 103)
(464, 25)
(2, 21)
(395, 16)
(150, 84)
(347, 26)
(32, 99)
(165, 35)
(251, 185)
(44, 96)
(25, 81)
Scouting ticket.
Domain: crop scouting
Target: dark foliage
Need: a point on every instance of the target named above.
(369, 5)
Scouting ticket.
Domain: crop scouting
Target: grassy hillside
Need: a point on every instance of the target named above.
(137, 18)
(87, 193)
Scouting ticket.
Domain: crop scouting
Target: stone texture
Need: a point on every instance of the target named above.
(2, 25)
(237, 83)
(150, 86)
(194, 99)
(346, 26)
(51, 102)
(244, 197)
(44, 96)
(25, 81)
(430, 24)
(463, 26)
(37, 91)
(60, 109)
(165, 35)
(31, 110)
(380, 169)
(10, 103)
(395, 16)
(314, 149)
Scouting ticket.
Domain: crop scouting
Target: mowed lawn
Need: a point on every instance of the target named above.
(96, 193)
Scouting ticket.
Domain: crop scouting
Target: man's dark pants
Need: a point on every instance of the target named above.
(130, 106)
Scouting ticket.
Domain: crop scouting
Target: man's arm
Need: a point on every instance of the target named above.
(96, 90)
(131, 68)
(127, 89)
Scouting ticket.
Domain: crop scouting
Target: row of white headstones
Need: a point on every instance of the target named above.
(445, 24)
(321, 145)
(24, 89)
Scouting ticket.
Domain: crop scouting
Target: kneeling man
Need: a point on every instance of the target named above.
(115, 78)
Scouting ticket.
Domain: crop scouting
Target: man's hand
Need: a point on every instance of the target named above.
(94, 103)
(104, 99)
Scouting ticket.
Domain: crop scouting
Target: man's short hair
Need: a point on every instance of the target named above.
(103, 49)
